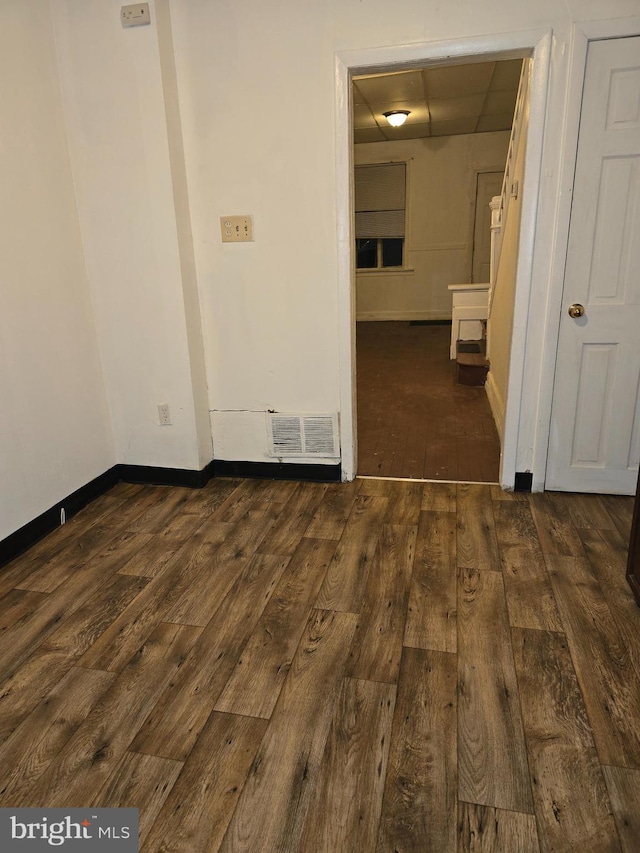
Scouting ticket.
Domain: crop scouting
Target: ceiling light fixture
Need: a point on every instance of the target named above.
(396, 117)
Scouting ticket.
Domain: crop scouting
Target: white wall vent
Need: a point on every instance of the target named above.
(303, 435)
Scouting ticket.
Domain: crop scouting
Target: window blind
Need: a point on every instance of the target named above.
(380, 200)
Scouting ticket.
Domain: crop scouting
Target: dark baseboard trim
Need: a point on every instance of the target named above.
(18, 542)
(278, 471)
(150, 475)
(523, 481)
(37, 529)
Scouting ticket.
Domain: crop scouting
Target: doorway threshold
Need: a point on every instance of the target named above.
(421, 480)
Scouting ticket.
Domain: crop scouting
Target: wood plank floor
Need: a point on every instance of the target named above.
(414, 420)
(375, 666)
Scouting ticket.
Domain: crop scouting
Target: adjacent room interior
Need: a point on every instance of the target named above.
(430, 149)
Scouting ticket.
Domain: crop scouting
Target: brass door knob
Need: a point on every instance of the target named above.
(576, 310)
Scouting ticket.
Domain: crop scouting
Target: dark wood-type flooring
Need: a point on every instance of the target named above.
(373, 666)
(414, 420)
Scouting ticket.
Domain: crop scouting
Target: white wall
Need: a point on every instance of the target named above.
(269, 308)
(441, 187)
(54, 429)
(500, 325)
(124, 129)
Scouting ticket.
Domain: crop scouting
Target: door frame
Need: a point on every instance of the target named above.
(582, 34)
(535, 43)
(473, 193)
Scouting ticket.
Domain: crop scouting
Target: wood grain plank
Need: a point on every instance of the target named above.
(420, 796)
(405, 499)
(170, 504)
(351, 778)
(198, 809)
(570, 796)
(492, 756)
(172, 729)
(89, 758)
(80, 630)
(29, 685)
(482, 829)
(256, 681)
(499, 494)
(71, 560)
(589, 512)
(140, 782)
(335, 507)
(152, 558)
(431, 615)
(477, 546)
(607, 679)
(288, 529)
(24, 637)
(607, 557)
(624, 792)
(40, 737)
(273, 805)
(344, 582)
(439, 497)
(377, 643)
(530, 598)
(17, 606)
(556, 532)
(130, 629)
(621, 511)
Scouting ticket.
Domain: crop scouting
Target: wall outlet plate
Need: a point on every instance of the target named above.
(236, 229)
(136, 15)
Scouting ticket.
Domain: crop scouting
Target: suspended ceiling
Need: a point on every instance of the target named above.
(443, 100)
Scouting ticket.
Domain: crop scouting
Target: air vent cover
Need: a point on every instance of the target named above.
(303, 435)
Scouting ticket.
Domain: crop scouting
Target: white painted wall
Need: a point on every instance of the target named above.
(441, 188)
(124, 130)
(500, 324)
(54, 430)
(270, 315)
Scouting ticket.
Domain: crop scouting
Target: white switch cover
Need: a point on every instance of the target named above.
(236, 229)
(136, 15)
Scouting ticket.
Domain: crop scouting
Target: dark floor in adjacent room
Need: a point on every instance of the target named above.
(364, 667)
(414, 420)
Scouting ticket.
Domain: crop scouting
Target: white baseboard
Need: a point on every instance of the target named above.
(403, 315)
(496, 403)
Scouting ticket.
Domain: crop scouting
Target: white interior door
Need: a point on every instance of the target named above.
(595, 423)
(489, 184)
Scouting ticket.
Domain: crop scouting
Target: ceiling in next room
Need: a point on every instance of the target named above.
(442, 100)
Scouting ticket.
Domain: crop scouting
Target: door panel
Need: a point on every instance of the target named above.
(595, 432)
(489, 184)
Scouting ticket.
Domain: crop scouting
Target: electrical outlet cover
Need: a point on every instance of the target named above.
(136, 15)
(236, 229)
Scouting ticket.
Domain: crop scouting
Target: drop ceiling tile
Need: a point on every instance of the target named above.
(495, 122)
(454, 81)
(450, 128)
(368, 134)
(506, 75)
(408, 131)
(448, 109)
(358, 97)
(387, 88)
(500, 102)
(362, 117)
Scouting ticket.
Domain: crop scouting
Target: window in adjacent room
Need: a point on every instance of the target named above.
(380, 193)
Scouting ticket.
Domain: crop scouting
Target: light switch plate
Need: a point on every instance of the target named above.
(136, 15)
(236, 229)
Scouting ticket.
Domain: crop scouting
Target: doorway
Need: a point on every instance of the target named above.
(425, 188)
(353, 62)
